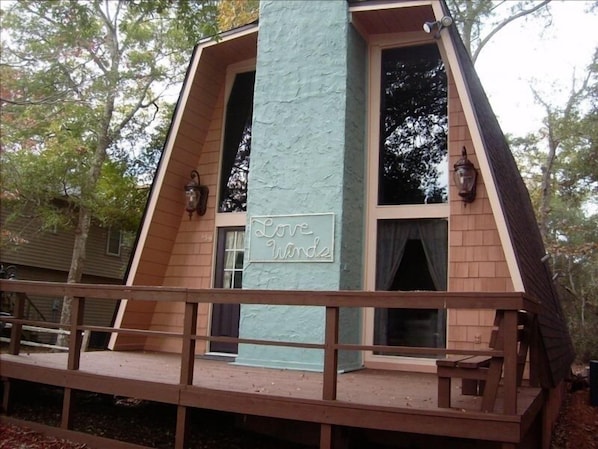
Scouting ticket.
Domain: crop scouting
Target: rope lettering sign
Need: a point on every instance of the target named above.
(292, 238)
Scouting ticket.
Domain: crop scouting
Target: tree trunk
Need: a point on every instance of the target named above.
(87, 191)
(76, 269)
(546, 186)
(84, 222)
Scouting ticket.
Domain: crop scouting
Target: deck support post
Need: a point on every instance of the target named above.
(510, 364)
(326, 436)
(187, 367)
(6, 395)
(67, 408)
(181, 433)
(76, 337)
(332, 437)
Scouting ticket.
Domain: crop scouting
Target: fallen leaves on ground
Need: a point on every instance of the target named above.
(17, 437)
(577, 426)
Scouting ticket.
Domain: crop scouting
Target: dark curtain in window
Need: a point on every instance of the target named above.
(434, 238)
(392, 239)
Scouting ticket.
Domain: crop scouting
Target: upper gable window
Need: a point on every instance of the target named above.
(413, 162)
(237, 145)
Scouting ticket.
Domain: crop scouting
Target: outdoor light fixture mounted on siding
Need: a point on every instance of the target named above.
(465, 176)
(196, 196)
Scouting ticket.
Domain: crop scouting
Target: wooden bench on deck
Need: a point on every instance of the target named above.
(481, 375)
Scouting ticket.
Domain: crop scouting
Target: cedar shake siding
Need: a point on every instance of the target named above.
(173, 250)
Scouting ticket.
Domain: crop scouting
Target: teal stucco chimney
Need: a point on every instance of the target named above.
(305, 214)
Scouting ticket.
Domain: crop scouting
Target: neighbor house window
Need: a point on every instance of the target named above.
(237, 145)
(114, 241)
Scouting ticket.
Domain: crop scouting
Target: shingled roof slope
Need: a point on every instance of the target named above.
(521, 223)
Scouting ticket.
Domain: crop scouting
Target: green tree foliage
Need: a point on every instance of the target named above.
(560, 167)
(235, 13)
(82, 86)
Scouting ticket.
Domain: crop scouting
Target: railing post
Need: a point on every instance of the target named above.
(510, 361)
(534, 352)
(330, 371)
(187, 368)
(16, 331)
(330, 354)
(76, 337)
(188, 350)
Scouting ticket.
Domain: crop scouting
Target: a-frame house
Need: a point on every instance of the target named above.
(327, 135)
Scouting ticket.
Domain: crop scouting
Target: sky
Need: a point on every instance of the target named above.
(524, 53)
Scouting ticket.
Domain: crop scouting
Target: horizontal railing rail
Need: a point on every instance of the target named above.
(508, 303)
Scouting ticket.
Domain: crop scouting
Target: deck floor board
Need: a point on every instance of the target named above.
(370, 387)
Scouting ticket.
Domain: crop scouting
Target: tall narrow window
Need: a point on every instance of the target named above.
(413, 160)
(237, 145)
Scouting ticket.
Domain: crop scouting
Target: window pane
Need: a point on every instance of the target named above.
(230, 239)
(413, 163)
(238, 279)
(240, 240)
(227, 278)
(229, 260)
(237, 145)
(239, 261)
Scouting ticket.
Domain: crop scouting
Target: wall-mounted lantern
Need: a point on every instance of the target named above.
(196, 196)
(465, 177)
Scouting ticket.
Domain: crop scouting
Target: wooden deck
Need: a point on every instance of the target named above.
(368, 399)
(374, 399)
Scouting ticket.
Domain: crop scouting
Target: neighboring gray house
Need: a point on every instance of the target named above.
(39, 255)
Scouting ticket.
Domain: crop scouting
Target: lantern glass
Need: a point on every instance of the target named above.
(196, 195)
(192, 196)
(465, 177)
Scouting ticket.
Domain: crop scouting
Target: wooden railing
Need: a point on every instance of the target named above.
(508, 304)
